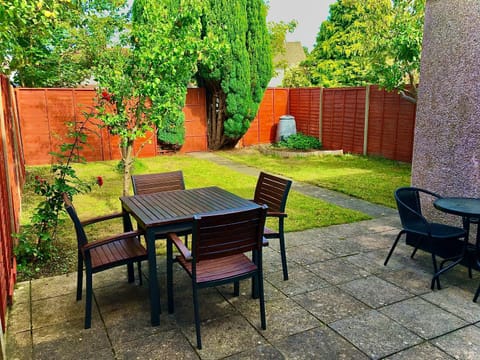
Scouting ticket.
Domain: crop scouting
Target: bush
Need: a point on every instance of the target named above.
(300, 141)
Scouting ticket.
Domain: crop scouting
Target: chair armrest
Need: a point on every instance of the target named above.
(101, 218)
(123, 236)
(276, 214)
(180, 246)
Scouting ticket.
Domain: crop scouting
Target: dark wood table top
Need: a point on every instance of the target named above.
(179, 206)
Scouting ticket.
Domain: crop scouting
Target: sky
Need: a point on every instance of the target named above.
(309, 13)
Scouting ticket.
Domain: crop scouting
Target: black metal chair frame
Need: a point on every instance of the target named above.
(415, 224)
(220, 240)
(85, 249)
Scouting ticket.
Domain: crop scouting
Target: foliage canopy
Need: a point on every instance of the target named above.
(236, 78)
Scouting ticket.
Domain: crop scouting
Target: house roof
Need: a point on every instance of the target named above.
(293, 55)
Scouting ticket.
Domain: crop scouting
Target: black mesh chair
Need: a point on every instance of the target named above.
(219, 244)
(438, 239)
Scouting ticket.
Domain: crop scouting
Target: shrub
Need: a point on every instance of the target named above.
(36, 240)
(300, 141)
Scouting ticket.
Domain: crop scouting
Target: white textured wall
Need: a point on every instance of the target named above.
(446, 152)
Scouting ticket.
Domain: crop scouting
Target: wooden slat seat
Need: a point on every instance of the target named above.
(111, 254)
(217, 269)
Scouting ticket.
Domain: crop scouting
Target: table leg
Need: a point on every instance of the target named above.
(152, 279)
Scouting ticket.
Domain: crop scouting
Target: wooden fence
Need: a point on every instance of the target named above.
(44, 114)
(12, 177)
(363, 120)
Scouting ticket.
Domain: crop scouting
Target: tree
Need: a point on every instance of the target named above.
(296, 77)
(236, 78)
(338, 58)
(395, 50)
(278, 34)
(51, 43)
(143, 79)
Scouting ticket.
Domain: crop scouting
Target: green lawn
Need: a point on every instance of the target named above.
(368, 178)
(304, 212)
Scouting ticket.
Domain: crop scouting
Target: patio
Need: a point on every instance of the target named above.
(340, 302)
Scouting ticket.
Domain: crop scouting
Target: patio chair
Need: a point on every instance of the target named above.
(273, 191)
(103, 254)
(152, 183)
(159, 182)
(433, 237)
(217, 257)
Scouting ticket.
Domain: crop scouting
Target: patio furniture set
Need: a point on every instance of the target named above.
(224, 227)
(449, 242)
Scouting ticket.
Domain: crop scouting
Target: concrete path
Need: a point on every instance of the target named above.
(310, 190)
(340, 302)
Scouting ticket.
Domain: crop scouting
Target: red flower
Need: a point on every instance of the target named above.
(99, 181)
(106, 96)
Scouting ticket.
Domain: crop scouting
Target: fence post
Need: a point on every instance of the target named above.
(320, 115)
(365, 128)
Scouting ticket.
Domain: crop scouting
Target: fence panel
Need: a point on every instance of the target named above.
(263, 128)
(305, 107)
(12, 177)
(343, 119)
(44, 115)
(391, 125)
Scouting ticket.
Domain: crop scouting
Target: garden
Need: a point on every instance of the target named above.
(368, 178)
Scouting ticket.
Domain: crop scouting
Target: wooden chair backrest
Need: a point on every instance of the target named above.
(152, 183)
(216, 236)
(272, 191)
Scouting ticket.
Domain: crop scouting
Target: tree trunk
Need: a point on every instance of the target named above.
(216, 107)
(127, 158)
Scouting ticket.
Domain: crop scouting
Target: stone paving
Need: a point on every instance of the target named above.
(339, 303)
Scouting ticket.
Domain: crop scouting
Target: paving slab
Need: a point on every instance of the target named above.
(374, 291)
(375, 334)
(422, 351)
(330, 304)
(423, 318)
(461, 344)
(317, 343)
(456, 301)
(337, 271)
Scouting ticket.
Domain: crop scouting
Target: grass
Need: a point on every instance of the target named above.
(304, 212)
(368, 178)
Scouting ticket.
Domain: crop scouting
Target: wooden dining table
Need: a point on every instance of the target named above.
(173, 211)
